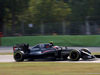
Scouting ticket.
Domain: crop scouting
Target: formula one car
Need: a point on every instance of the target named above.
(41, 51)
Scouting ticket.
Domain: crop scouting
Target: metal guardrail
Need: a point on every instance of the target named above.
(56, 28)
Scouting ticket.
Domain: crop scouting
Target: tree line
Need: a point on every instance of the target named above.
(13, 12)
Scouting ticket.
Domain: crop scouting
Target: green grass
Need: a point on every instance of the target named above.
(49, 68)
(60, 40)
(6, 53)
(95, 53)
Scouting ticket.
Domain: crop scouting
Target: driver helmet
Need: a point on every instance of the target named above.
(51, 42)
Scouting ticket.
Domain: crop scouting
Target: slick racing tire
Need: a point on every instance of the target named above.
(74, 55)
(19, 56)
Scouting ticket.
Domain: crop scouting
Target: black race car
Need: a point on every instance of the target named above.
(40, 51)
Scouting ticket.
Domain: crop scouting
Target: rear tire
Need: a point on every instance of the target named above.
(19, 56)
(74, 55)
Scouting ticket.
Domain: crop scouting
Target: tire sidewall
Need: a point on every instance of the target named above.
(21, 53)
(78, 55)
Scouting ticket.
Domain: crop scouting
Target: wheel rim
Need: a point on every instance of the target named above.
(18, 56)
(74, 55)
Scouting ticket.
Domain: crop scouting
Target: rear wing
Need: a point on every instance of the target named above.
(21, 47)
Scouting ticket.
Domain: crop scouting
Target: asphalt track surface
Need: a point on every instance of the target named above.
(9, 58)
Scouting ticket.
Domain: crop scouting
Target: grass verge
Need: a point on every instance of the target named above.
(95, 53)
(49, 68)
(6, 53)
(59, 40)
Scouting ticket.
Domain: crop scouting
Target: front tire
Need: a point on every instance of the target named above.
(74, 55)
(19, 56)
